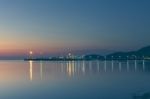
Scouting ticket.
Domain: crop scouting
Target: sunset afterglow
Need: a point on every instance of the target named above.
(56, 28)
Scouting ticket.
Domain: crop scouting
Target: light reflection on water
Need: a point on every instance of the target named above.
(31, 63)
(78, 68)
(85, 79)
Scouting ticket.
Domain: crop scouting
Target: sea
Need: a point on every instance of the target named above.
(113, 79)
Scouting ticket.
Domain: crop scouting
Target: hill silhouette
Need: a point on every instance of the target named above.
(138, 54)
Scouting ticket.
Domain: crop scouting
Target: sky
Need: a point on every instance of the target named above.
(56, 27)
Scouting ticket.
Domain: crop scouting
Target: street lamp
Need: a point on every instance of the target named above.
(134, 57)
(119, 57)
(112, 57)
(143, 57)
(30, 53)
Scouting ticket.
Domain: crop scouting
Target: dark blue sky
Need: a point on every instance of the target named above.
(55, 26)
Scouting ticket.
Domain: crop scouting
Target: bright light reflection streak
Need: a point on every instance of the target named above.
(135, 65)
(143, 65)
(127, 65)
(120, 66)
(31, 73)
(83, 67)
(105, 66)
(98, 63)
(70, 68)
(41, 70)
(112, 65)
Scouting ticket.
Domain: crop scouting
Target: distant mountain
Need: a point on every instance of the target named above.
(139, 54)
(145, 51)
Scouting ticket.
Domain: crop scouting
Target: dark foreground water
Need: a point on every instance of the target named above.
(74, 80)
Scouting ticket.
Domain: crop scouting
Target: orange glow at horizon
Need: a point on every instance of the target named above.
(15, 46)
(13, 43)
(5, 51)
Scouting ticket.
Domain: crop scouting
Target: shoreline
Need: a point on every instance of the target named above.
(82, 59)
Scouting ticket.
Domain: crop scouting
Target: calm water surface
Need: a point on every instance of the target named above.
(74, 80)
